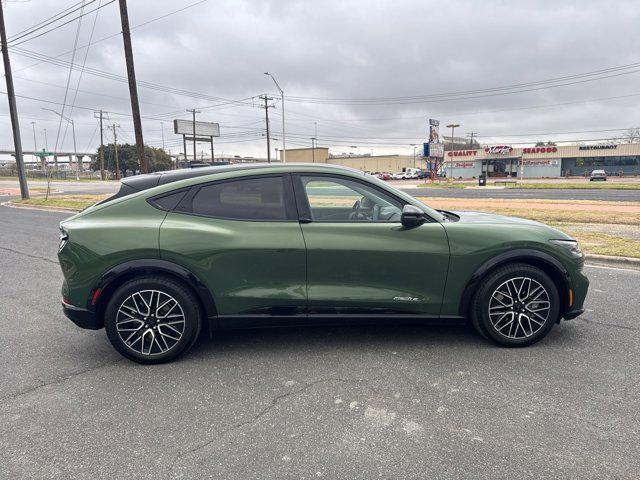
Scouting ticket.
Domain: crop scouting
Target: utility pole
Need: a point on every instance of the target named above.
(115, 146)
(266, 113)
(471, 135)
(162, 132)
(193, 111)
(313, 149)
(101, 148)
(133, 89)
(284, 146)
(13, 111)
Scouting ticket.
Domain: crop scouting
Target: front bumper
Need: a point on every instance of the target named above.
(571, 314)
(82, 317)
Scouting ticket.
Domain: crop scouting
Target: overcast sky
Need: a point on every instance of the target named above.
(320, 51)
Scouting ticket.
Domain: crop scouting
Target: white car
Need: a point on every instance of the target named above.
(400, 176)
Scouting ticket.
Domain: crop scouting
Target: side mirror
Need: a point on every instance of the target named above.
(412, 216)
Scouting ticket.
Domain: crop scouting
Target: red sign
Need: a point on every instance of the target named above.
(463, 165)
(540, 150)
(499, 149)
(461, 153)
(540, 163)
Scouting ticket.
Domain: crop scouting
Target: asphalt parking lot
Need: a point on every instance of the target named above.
(341, 402)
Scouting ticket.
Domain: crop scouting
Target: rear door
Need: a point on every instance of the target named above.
(360, 259)
(241, 237)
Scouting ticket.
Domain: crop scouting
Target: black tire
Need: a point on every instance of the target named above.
(529, 327)
(183, 321)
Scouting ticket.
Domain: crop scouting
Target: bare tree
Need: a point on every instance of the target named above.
(632, 135)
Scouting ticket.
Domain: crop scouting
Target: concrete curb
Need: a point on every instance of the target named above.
(39, 207)
(611, 261)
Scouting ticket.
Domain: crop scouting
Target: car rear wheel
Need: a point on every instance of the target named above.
(516, 305)
(152, 319)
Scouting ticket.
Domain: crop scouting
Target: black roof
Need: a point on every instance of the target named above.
(138, 183)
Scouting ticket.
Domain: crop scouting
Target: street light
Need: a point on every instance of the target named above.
(452, 126)
(73, 130)
(284, 147)
(414, 145)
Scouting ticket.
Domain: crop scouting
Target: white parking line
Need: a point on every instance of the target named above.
(603, 267)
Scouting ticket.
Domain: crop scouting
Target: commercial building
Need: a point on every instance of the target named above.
(366, 163)
(543, 161)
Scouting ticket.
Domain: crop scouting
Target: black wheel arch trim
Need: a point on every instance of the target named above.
(520, 254)
(154, 265)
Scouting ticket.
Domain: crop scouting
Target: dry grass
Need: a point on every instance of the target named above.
(75, 202)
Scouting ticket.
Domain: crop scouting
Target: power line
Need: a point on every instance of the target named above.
(66, 91)
(47, 21)
(407, 99)
(79, 17)
(108, 37)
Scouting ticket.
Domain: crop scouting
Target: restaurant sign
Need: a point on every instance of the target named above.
(499, 149)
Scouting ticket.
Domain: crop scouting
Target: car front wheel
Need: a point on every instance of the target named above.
(152, 319)
(516, 305)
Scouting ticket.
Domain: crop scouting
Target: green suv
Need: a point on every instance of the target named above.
(175, 252)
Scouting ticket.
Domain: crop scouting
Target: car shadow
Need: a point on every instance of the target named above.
(326, 338)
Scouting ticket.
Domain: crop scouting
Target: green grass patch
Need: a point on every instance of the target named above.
(75, 202)
(604, 244)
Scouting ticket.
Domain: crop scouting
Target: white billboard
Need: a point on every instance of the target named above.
(203, 129)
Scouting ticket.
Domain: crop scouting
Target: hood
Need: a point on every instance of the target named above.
(480, 217)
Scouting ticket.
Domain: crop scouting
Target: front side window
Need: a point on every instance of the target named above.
(334, 199)
(244, 199)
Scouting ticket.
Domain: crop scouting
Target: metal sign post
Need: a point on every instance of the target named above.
(196, 132)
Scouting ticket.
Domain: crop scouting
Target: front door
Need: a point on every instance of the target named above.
(360, 259)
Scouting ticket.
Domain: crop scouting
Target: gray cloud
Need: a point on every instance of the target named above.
(344, 49)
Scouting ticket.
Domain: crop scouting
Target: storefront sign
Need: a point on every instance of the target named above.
(463, 165)
(540, 150)
(597, 147)
(540, 163)
(499, 149)
(461, 153)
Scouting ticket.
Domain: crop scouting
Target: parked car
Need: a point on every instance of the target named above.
(176, 252)
(399, 176)
(598, 175)
(384, 176)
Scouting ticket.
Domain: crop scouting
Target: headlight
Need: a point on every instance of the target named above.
(570, 245)
(64, 236)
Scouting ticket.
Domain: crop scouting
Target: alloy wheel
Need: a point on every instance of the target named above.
(519, 307)
(150, 322)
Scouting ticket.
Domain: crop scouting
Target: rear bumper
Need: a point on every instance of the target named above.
(82, 317)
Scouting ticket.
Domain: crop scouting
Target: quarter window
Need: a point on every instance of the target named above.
(341, 200)
(245, 199)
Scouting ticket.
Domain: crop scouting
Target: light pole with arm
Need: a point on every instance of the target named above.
(284, 147)
(452, 126)
(73, 130)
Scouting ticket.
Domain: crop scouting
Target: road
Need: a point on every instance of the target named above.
(344, 402)
(546, 193)
(409, 187)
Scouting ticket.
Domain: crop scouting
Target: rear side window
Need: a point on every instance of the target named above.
(246, 199)
(170, 201)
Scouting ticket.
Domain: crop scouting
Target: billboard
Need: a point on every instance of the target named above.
(436, 147)
(203, 129)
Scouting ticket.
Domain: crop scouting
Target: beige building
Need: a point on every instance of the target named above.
(367, 163)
